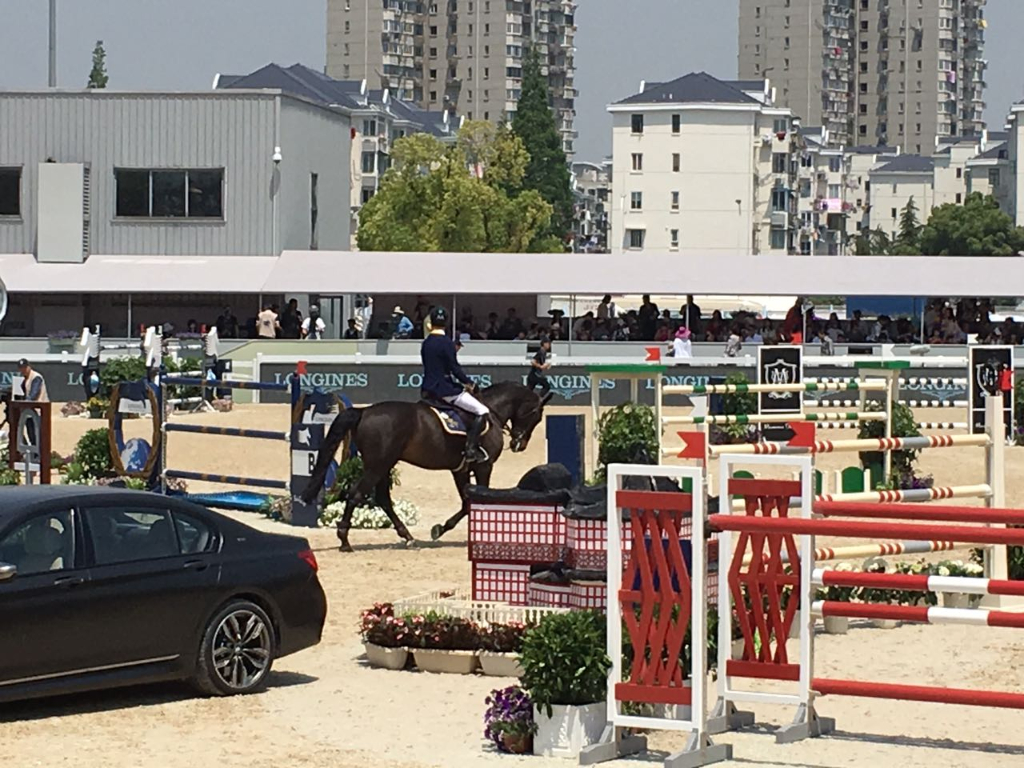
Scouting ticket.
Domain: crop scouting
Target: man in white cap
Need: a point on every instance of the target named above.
(401, 325)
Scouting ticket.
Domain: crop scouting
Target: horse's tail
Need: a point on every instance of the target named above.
(343, 423)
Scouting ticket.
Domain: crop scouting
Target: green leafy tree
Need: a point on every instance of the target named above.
(463, 197)
(908, 239)
(976, 228)
(874, 242)
(547, 171)
(98, 76)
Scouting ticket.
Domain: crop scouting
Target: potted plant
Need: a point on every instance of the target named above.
(906, 597)
(384, 637)
(877, 595)
(500, 645)
(838, 625)
(960, 569)
(444, 644)
(565, 671)
(508, 721)
(98, 407)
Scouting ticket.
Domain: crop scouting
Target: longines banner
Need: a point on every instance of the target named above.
(369, 383)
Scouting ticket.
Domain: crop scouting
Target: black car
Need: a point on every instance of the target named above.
(107, 587)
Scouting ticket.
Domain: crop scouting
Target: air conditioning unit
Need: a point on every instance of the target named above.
(780, 219)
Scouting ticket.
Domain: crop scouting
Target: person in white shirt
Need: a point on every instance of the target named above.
(606, 310)
(681, 344)
(267, 324)
(313, 327)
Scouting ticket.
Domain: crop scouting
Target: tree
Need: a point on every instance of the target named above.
(455, 197)
(98, 76)
(874, 242)
(976, 228)
(908, 239)
(547, 171)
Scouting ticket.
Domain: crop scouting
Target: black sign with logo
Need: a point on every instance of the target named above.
(779, 365)
(986, 368)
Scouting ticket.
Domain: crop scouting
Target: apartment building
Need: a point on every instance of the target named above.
(462, 57)
(702, 166)
(890, 72)
(990, 172)
(894, 183)
(822, 203)
(859, 162)
(592, 186)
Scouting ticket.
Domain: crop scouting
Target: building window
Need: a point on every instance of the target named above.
(778, 239)
(675, 200)
(673, 237)
(959, 173)
(10, 191)
(993, 177)
(170, 194)
(676, 124)
(676, 162)
(367, 194)
(895, 213)
(635, 238)
(779, 162)
(637, 122)
(636, 201)
(314, 211)
(835, 164)
(780, 199)
(370, 127)
(805, 247)
(369, 162)
(638, 161)
(833, 191)
(959, 198)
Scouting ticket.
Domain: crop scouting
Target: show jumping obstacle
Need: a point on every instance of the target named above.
(776, 418)
(310, 412)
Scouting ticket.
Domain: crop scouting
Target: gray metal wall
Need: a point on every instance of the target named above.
(314, 141)
(232, 130)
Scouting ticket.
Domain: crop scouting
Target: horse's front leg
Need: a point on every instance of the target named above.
(461, 477)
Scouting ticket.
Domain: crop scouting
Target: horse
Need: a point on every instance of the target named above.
(390, 432)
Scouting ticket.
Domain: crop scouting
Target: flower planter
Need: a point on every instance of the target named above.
(386, 658)
(885, 623)
(446, 662)
(960, 600)
(500, 664)
(836, 625)
(737, 649)
(518, 743)
(569, 729)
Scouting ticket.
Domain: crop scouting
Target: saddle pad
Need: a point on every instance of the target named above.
(453, 422)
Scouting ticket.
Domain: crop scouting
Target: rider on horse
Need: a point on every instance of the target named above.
(441, 371)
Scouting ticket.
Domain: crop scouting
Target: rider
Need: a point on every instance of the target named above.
(441, 371)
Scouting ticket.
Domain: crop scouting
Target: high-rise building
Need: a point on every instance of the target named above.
(463, 56)
(894, 72)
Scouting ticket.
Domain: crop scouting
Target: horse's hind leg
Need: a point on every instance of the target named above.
(384, 502)
(356, 495)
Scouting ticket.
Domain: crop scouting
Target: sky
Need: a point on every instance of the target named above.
(182, 44)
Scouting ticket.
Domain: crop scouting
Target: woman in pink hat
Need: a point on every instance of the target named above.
(681, 344)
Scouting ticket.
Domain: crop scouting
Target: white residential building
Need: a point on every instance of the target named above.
(990, 172)
(859, 162)
(893, 184)
(822, 196)
(702, 166)
(592, 186)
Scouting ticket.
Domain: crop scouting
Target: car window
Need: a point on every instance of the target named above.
(194, 535)
(125, 534)
(44, 543)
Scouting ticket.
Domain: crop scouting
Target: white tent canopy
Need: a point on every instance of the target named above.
(660, 274)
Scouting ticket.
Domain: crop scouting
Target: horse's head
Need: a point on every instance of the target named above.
(527, 414)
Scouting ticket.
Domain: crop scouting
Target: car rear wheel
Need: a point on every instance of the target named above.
(237, 651)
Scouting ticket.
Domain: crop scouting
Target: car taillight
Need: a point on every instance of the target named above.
(309, 558)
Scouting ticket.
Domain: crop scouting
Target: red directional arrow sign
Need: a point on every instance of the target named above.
(803, 434)
(653, 354)
(694, 446)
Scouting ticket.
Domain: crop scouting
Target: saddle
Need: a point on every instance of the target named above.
(453, 420)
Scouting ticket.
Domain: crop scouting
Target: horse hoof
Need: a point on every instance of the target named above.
(345, 547)
(410, 543)
(436, 532)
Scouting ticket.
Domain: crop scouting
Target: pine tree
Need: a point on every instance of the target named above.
(908, 239)
(98, 76)
(547, 172)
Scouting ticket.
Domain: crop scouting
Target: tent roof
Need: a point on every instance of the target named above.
(658, 273)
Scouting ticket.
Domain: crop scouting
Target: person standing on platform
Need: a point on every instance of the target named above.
(539, 366)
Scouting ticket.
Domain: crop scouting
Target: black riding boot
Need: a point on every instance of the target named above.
(474, 454)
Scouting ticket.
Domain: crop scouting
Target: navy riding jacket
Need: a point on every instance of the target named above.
(441, 367)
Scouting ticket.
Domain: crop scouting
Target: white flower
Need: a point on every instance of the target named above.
(367, 517)
(973, 569)
(943, 570)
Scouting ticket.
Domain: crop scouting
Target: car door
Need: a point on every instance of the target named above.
(44, 620)
(152, 580)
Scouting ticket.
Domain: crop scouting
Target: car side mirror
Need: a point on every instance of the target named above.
(7, 571)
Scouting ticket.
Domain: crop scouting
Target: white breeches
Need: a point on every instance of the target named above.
(467, 402)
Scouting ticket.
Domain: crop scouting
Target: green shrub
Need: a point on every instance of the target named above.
(624, 433)
(121, 369)
(350, 472)
(565, 660)
(92, 455)
(185, 366)
(738, 402)
(903, 425)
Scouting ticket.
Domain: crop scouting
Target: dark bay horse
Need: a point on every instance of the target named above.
(390, 432)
